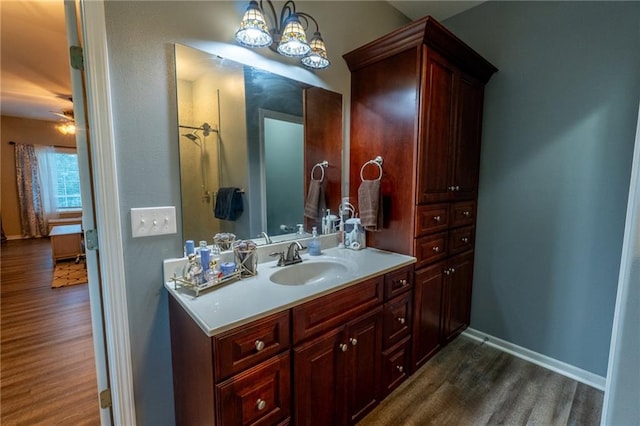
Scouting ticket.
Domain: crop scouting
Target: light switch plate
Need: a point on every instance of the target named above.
(149, 221)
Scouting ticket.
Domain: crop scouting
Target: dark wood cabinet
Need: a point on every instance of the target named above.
(416, 100)
(427, 312)
(458, 272)
(338, 373)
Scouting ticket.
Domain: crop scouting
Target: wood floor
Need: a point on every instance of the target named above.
(468, 383)
(47, 370)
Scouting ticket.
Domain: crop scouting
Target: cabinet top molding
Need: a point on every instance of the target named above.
(426, 31)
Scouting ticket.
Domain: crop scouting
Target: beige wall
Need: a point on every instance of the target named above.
(25, 131)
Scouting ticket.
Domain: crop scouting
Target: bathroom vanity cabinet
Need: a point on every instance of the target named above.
(416, 100)
(326, 361)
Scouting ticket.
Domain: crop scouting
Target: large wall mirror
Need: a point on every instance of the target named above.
(249, 140)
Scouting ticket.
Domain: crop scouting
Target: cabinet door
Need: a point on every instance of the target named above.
(458, 294)
(319, 380)
(468, 121)
(258, 396)
(364, 341)
(397, 320)
(427, 308)
(435, 148)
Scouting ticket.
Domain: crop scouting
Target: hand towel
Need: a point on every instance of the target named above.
(316, 202)
(369, 204)
(228, 204)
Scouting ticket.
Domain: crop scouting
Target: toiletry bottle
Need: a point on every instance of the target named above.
(314, 243)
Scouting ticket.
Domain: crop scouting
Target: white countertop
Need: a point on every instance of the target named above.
(240, 302)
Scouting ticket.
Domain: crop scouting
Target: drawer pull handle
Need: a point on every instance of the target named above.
(436, 249)
(436, 218)
(259, 345)
(464, 240)
(353, 341)
(261, 404)
(400, 368)
(343, 347)
(403, 282)
(466, 213)
(401, 320)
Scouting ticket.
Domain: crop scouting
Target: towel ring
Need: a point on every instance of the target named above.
(322, 166)
(377, 161)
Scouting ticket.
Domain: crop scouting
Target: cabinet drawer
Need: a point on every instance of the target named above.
(430, 249)
(463, 213)
(431, 218)
(259, 396)
(397, 319)
(396, 364)
(332, 310)
(246, 346)
(397, 282)
(461, 239)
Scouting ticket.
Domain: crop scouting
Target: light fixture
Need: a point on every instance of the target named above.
(286, 36)
(67, 128)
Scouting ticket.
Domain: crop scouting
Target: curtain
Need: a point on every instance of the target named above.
(29, 192)
(48, 181)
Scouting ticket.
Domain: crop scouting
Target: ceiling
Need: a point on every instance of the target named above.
(35, 81)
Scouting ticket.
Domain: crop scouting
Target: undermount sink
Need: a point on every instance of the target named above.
(309, 272)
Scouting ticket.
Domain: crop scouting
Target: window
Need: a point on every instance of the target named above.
(67, 179)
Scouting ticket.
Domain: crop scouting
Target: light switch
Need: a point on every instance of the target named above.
(148, 221)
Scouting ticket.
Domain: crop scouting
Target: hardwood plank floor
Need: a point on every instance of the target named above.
(468, 383)
(47, 366)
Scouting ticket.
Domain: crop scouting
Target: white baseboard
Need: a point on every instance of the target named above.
(549, 363)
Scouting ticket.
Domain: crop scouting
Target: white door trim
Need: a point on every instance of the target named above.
(105, 183)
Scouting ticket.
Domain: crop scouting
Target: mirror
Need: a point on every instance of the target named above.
(249, 140)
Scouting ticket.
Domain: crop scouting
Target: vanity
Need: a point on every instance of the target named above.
(265, 350)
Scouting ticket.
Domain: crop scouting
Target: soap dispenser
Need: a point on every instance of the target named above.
(314, 243)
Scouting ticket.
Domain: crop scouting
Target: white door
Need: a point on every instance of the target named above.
(96, 157)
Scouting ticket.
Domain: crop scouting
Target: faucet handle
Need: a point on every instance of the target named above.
(279, 255)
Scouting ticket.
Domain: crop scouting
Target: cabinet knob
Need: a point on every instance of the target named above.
(401, 320)
(403, 282)
(353, 341)
(400, 368)
(436, 218)
(343, 347)
(466, 213)
(464, 240)
(457, 188)
(259, 345)
(452, 270)
(436, 249)
(261, 404)
(447, 271)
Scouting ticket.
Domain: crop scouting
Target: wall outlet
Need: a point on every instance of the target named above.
(148, 221)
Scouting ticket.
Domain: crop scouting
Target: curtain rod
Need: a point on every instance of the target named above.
(41, 144)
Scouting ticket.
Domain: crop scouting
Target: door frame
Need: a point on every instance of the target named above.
(107, 214)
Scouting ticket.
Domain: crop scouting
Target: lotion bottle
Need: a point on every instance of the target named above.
(314, 243)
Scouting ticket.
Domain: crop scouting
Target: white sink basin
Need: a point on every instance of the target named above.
(310, 272)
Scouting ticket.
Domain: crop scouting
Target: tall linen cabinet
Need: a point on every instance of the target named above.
(416, 101)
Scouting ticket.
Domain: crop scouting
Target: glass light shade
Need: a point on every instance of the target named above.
(317, 57)
(66, 128)
(253, 31)
(294, 40)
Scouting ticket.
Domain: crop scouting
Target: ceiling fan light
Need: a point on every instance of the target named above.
(317, 57)
(293, 41)
(66, 128)
(253, 31)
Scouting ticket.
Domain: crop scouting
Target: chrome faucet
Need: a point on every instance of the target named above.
(292, 255)
(267, 239)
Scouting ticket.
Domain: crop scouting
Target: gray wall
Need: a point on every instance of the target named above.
(558, 138)
(140, 37)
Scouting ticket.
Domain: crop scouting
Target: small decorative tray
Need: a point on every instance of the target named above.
(182, 282)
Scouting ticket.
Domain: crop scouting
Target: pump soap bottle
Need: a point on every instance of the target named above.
(314, 243)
